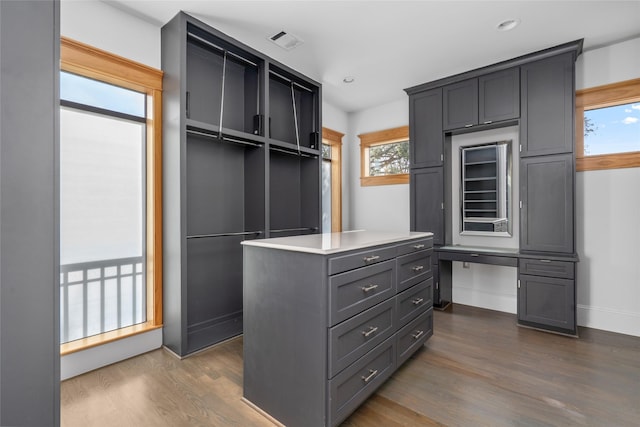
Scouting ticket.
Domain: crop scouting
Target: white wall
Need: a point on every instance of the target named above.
(102, 26)
(336, 119)
(384, 207)
(607, 206)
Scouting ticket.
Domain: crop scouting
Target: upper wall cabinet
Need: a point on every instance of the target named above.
(548, 106)
(490, 98)
(425, 133)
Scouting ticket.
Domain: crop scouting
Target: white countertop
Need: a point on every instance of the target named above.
(331, 243)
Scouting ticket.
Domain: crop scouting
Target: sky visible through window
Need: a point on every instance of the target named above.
(612, 129)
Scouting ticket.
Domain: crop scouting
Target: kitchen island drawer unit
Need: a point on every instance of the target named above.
(414, 268)
(320, 327)
(414, 301)
(352, 338)
(359, 289)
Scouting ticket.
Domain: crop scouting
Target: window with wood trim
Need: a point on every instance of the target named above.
(111, 135)
(608, 126)
(384, 157)
(332, 172)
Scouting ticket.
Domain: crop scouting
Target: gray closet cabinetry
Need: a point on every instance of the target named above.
(240, 161)
(484, 100)
(323, 332)
(427, 202)
(427, 140)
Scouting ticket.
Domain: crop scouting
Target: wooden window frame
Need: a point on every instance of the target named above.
(600, 97)
(87, 61)
(334, 140)
(387, 136)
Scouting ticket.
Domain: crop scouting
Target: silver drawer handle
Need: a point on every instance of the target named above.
(469, 125)
(418, 246)
(371, 330)
(368, 288)
(417, 335)
(545, 260)
(372, 374)
(474, 255)
(417, 301)
(371, 258)
(417, 268)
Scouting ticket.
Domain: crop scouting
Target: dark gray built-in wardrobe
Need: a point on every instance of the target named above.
(241, 160)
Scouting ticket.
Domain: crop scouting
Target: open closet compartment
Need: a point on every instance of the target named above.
(294, 193)
(294, 113)
(225, 205)
(223, 180)
(223, 90)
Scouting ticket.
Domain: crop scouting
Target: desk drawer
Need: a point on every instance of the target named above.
(353, 385)
(356, 290)
(547, 267)
(415, 246)
(413, 336)
(343, 263)
(351, 339)
(413, 268)
(414, 301)
(480, 258)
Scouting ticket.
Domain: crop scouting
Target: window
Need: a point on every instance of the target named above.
(331, 180)
(110, 197)
(608, 126)
(384, 157)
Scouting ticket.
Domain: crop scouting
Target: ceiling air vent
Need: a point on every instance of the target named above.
(286, 40)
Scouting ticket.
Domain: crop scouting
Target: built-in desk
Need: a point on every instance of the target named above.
(546, 283)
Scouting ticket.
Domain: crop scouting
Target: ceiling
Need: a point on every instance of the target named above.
(391, 45)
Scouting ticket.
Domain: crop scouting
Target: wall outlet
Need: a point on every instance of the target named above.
(465, 264)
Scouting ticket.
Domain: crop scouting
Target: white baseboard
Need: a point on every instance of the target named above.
(620, 321)
(80, 362)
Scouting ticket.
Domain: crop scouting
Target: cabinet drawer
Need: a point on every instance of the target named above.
(415, 246)
(414, 301)
(547, 267)
(349, 340)
(343, 263)
(413, 268)
(413, 336)
(356, 290)
(353, 385)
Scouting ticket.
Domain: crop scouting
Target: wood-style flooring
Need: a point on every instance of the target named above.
(478, 369)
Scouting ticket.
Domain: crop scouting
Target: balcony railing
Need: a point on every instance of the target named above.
(101, 296)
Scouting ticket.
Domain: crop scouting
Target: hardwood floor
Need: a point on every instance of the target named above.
(479, 369)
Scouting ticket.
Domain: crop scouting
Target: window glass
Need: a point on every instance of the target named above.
(389, 159)
(612, 129)
(83, 90)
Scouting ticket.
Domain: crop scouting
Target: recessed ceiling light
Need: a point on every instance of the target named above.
(349, 79)
(508, 24)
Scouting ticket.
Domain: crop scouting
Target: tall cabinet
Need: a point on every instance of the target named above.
(536, 93)
(241, 161)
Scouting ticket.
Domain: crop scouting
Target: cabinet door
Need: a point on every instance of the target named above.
(547, 97)
(460, 104)
(547, 302)
(499, 96)
(546, 194)
(425, 129)
(427, 202)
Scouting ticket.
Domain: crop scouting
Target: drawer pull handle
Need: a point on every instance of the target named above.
(369, 377)
(371, 258)
(474, 255)
(371, 330)
(545, 260)
(417, 301)
(469, 125)
(420, 246)
(417, 335)
(417, 268)
(368, 288)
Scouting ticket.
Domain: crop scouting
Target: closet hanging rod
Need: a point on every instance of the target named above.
(215, 46)
(293, 153)
(241, 233)
(223, 138)
(287, 79)
(284, 230)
